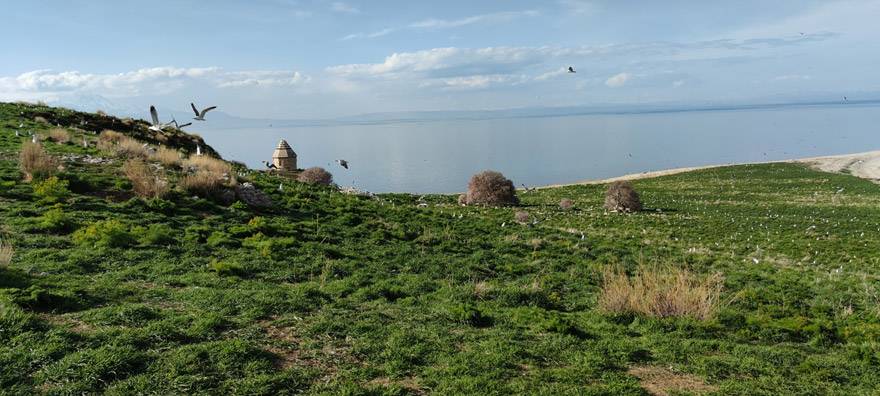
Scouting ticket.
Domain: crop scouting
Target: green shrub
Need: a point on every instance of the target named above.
(220, 238)
(55, 220)
(226, 268)
(104, 234)
(52, 190)
(154, 235)
(469, 314)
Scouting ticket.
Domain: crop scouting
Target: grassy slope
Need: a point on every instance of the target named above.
(332, 293)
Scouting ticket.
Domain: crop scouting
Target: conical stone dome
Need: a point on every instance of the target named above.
(284, 158)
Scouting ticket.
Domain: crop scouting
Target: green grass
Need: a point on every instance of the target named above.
(330, 293)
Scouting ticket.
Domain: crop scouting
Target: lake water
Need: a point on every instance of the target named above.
(440, 156)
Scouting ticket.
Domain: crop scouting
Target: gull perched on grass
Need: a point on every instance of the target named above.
(198, 149)
(200, 115)
(157, 126)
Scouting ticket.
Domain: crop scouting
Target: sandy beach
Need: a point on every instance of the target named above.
(865, 165)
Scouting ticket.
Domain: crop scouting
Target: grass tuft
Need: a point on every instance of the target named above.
(59, 135)
(35, 163)
(145, 182)
(661, 292)
(7, 251)
(167, 156)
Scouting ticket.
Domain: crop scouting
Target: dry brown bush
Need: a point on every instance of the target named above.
(622, 197)
(59, 135)
(202, 183)
(145, 182)
(491, 188)
(41, 120)
(35, 163)
(101, 113)
(6, 253)
(566, 204)
(207, 163)
(110, 136)
(521, 217)
(661, 292)
(315, 175)
(167, 156)
(462, 199)
(122, 145)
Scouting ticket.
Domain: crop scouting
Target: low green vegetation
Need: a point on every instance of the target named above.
(777, 267)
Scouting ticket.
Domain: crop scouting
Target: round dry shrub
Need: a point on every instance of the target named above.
(491, 188)
(622, 197)
(521, 217)
(462, 199)
(566, 204)
(315, 175)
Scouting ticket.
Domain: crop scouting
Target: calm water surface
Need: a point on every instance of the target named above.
(428, 157)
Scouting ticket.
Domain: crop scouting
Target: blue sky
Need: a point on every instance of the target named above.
(315, 59)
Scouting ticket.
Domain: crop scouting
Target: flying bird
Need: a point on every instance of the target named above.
(844, 99)
(269, 166)
(571, 70)
(200, 115)
(343, 163)
(157, 126)
(177, 125)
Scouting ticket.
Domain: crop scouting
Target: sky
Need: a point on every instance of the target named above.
(307, 59)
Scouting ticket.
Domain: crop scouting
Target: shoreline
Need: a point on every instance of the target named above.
(865, 165)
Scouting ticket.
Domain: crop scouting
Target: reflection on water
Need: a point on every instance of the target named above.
(422, 157)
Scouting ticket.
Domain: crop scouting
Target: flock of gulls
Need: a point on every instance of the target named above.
(158, 126)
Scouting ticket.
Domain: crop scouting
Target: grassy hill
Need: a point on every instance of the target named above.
(334, 293)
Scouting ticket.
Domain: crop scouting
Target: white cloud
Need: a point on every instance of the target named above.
(378, 33)
(157, 80)
(553, 74)
(578, 6)
(434, 23)
(792, 77)
(475, 82)
(344, 8)
(618, 80)
(262, 78)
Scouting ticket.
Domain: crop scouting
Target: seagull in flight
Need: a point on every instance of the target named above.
(571, 70)
(269, 166)
(177, 125)
(157, 126)
(200, 115)
(343, 163)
